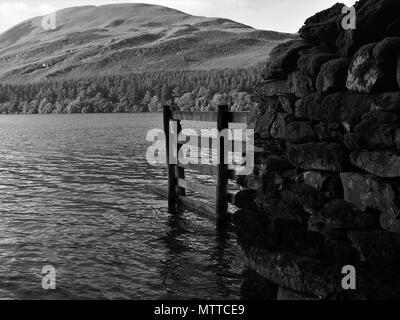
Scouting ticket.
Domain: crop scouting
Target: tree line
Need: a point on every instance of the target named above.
(200, 90)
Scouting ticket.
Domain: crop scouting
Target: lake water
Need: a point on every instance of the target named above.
(72, 195)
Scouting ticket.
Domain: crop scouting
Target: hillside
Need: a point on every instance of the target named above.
(128, 38)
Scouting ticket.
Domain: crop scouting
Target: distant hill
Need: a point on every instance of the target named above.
(128, 38)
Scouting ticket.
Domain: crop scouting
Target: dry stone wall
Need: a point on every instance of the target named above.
(325, 190)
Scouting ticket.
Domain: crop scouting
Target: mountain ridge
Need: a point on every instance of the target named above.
(125, 38)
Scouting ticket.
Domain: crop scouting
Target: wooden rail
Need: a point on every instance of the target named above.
(232, 117)
(177, 184)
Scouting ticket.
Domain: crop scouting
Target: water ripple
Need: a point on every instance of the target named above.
(72, 195)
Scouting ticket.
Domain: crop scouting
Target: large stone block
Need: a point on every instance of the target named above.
(374, 119)
(323, 278)
(334, 108)
(364, 192)
(389, 223)
(270, 185)
(379, 248)
(262, 105)
(339, 215)
(333, 75)
(279, 125)
(287, 103)
(301, 196)
(302, 274)
(378, 130)
(310, 64)
(263, 124)
(381, 136)
(333, 132)
(376, 19)
(387, 101)
(345, 106)
(299, 132)
(373, 68)
(365, 72)
(323, 27)
(385, 164)
(284, 57)
(328, 183)
(387, 51)
(269, 176)
(300, 85)
(319, 156)
(272, 88)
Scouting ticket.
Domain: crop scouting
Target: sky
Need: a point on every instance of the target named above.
(277, 15)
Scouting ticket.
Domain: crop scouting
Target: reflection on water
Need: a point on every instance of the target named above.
(72, 195)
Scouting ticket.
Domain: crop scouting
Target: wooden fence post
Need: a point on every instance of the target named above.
(172, 197)
(221, 204)
(180, 171)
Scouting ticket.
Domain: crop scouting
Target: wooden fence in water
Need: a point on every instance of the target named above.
(178, 185)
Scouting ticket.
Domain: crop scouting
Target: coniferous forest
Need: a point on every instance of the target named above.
(199, 90)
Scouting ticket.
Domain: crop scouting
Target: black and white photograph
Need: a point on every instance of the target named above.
(185, 151)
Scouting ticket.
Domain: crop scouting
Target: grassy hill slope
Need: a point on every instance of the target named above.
(128, 38)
